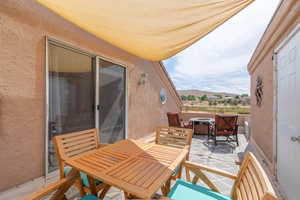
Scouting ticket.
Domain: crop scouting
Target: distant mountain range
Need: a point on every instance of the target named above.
(201, 93)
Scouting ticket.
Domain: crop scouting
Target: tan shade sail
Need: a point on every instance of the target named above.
(151, 29)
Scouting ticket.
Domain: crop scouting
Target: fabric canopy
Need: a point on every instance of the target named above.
(151, 29)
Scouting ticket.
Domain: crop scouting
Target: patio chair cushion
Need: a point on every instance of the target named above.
(89, 197)
(184, 190)
(83, 177)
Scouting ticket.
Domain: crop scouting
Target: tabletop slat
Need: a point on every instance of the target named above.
(135, 167)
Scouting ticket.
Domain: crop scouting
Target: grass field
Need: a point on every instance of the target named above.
(219, 109)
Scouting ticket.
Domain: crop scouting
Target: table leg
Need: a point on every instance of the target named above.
(208, 131)
(179, 172)
(78, 182)
(167, 187)
(104, 191)
(92, 185)
(128, 196)
(193, 122)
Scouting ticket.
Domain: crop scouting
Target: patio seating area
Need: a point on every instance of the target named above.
(100, 101)
(224, 156)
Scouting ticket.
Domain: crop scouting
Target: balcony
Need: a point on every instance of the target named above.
(225, 156)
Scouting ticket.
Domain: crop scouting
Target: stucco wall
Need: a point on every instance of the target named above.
(262, 117)
(23, 27)
(261, 64)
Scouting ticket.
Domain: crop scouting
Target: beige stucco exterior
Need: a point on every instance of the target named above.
(263, 132)
(24, 25)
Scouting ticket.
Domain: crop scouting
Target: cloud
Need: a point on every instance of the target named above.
(219, 61)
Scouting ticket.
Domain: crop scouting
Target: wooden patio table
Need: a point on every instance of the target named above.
(135, 167)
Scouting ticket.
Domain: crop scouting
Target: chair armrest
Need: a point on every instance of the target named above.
(186, 124)
(164, 198)
(150, 140)
(64, 184)
(192, 165)
(187, 147)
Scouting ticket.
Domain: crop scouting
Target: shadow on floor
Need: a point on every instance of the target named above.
(220, 148)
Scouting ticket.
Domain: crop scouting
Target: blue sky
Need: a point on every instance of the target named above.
(218, 62)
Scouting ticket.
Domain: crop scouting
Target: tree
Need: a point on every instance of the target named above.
(237, 97)
(191, 98)
(221, 101)
(210, 103)
(199, 99)
(204, 98)
(235, 103)
(244, 95)
(215, 103)
(183, 97)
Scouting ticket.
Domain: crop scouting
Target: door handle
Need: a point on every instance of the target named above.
(295, 139)
(98, 107)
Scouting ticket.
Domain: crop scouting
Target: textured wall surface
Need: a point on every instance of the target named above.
(261, 64)
(262, 117)
(23, 27)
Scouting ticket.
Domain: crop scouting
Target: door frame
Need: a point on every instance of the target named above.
(68, 45)
(282, 44)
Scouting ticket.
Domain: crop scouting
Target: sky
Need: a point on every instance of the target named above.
(218, 62)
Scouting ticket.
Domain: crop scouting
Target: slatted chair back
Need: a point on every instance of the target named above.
(174, 137)
(252, 181)
(225, 124)
(55, 191)
(173, 119)
(73, 144)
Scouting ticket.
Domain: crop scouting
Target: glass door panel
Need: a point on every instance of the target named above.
(112, 102)
(71, 95)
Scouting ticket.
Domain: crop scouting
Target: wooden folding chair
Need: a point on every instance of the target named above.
(76, 143)
(174, 137)
(57, 190)
(250, 183)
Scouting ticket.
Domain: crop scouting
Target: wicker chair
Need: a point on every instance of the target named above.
(226, 125)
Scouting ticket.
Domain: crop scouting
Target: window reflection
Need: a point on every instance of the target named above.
(71, 95)
(112, 102)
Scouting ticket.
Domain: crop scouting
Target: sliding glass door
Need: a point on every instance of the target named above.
(84, 92)
(112, 101)
(71, 95)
